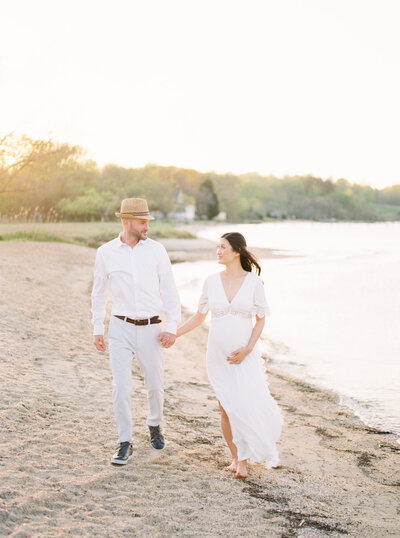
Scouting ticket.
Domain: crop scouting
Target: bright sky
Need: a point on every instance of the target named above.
(273, 86)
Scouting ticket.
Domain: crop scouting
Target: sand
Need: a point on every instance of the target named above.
(338, 477)
(181, 250)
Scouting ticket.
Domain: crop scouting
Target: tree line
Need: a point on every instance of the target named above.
(46, 180)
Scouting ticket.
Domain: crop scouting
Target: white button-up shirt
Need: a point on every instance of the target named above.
(140, 280)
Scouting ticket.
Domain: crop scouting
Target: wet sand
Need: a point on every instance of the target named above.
(338, 477)
(181, 250)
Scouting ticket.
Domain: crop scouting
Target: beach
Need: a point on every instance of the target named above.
(337, 476)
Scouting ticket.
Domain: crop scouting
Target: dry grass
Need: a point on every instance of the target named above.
(91, 234)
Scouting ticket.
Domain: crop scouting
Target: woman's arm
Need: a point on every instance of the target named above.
(236, 357)
(256, 333)
(193, 322)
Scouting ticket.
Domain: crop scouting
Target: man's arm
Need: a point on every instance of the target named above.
(99, 298)
(170, 300)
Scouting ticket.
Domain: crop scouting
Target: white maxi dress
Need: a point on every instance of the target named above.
(242, 389)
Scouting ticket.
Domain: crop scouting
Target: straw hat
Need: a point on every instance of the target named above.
(134, 208)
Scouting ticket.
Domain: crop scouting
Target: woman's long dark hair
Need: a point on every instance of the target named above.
(238, 243)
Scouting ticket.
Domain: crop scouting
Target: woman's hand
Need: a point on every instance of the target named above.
(236, 357)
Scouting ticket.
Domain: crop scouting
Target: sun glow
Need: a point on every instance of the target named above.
(277, 87)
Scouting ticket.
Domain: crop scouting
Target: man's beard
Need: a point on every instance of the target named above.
(137, 235)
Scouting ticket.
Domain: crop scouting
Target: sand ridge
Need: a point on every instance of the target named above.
(337, 478)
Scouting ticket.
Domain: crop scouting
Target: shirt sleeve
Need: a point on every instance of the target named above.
(99, 295)
(203, 301)
(169, 293)
(260, 308)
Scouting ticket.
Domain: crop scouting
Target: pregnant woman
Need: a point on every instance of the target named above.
(251, 421)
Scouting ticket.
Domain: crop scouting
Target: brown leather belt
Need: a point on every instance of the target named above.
(148, 321)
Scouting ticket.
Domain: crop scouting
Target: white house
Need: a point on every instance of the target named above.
(184, 212)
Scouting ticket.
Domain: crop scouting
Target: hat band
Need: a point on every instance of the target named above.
(141, 213)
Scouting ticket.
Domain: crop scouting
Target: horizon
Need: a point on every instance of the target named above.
(277, 88)
(249, 172)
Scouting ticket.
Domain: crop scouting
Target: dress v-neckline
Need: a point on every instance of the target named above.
(238, 291)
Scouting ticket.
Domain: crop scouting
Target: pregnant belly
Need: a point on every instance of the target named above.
(229, 333)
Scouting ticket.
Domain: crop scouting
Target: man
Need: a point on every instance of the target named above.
(137, 271)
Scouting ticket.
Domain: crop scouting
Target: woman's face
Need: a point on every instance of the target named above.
(225, 253)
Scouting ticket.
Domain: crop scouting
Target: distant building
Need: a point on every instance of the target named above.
(221, 217)
(184, 212)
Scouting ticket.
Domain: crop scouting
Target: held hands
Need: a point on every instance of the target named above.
(236, 357)
(99, 343)
(167, 339)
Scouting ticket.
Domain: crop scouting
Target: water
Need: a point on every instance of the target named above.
(335, 305)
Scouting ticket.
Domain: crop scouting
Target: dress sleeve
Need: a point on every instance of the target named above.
(260, 307)
(203, 301)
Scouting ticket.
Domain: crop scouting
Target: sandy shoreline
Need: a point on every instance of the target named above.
(338, 477)
(180, 250)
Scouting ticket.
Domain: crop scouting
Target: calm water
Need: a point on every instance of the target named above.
(335, 307)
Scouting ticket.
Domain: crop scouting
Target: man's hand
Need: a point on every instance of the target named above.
(99, 343)
(167, 339)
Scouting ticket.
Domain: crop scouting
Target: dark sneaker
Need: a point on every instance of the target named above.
(123, 454)
(156, 438)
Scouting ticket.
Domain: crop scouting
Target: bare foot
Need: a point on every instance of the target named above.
(241, 469)
(232, 467)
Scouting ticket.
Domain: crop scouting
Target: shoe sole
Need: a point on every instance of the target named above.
(158, 449)
(120, 462)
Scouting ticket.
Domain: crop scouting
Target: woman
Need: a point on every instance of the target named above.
(251, 421)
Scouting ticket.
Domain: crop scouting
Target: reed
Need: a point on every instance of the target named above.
(90, 234)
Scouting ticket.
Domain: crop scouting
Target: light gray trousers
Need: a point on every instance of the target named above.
(125, 341)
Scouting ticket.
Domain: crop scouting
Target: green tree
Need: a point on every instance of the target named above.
(54, 180)
(391, 195)
(227, 189)
(158, 185)
(91, 205)
(35, 174)
(207, 201)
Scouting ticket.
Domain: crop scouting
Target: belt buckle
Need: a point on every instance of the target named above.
(142, 322)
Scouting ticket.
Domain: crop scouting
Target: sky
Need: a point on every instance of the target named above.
(272, 86)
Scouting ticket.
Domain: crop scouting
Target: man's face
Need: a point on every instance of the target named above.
(137, 228)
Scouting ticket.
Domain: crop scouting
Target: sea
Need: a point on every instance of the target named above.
(334, 294)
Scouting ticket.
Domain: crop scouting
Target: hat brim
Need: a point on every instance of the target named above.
(130, 216)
